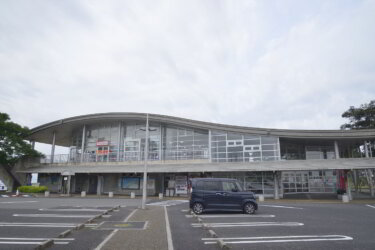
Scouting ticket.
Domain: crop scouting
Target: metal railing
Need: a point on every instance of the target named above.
(112, 157)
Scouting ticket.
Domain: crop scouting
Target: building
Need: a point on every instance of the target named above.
(107, 155)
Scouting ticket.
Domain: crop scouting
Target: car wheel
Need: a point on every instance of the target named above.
(198, 208)
(249, 208)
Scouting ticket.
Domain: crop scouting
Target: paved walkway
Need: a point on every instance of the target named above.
(153, 237)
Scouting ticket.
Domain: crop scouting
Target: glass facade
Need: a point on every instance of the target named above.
(231, 147)
(323, 181)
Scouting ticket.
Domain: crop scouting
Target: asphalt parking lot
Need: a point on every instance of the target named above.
(278, 226)
(27, 222)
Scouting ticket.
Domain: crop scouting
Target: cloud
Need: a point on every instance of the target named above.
(299, 64)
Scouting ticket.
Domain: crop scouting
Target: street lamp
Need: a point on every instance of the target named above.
(144, 191)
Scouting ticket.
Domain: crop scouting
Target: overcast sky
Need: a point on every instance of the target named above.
(275, 64)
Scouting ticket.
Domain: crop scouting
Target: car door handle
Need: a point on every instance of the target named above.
(219, 194)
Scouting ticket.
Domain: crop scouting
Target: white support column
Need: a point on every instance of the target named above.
(160, 143)
(53, 146)
(99, 187)
(83, 143)
(209, 146)
(276, 183)
(366, 149)
(369, 172)
(349, 174)
(33, 144)
(119, 142)
(68, 184)
(337, 152)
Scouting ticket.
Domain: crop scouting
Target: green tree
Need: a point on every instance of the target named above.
(362, 117)
(13, 145)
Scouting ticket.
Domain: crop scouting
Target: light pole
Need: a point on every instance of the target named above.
(144, 191)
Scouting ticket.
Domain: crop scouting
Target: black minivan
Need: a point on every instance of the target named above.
(220, 194)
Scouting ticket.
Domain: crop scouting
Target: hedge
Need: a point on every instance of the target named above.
(32, 189)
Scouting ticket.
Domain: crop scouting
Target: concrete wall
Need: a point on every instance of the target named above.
(112, 183)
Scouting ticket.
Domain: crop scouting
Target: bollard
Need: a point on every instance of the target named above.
(261, 197)
(46, 194)
(83, 194)
(132, 195)
(160, 196)
(110, 194)
(345, 198)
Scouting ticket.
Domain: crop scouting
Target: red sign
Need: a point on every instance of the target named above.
(102, 152)
(102, 143)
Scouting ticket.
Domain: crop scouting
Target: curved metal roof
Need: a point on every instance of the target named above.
(64, 128)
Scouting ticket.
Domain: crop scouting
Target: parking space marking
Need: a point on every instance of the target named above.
(234, 216)
(11, 202)
(247, 224)
(27, 224)
(168, 229)
(33, 241)
(168, 203)
(114, 231)
(370, 206)
(277, 239)
(73, 209)
(280, 206)
(56, 215)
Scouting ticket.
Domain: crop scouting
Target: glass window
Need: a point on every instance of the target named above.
(212, 186)
(229, 186)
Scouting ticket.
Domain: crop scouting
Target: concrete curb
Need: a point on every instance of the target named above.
(80, 226)
(45, 244)
(222, 244)
(212, 233)
(65, 233)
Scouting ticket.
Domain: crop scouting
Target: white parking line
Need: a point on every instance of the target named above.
(73, 209)
(234, 216)
(248, 224)
(370, 206)
(114, 232)
(56, 215)
(280, 206)
(277, 239)
(168, 229)
(33, 241)
(25, 224)
(42, 239)
(11, 202)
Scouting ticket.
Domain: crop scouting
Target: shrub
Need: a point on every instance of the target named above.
(32, 189)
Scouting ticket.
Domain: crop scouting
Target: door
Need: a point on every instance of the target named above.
(232, 197)
(93, 184)
(213, 196)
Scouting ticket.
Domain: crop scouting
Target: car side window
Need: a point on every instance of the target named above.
(200, 185)
(229, 186)
(212, 186)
